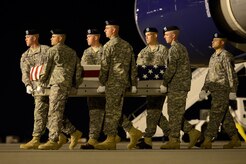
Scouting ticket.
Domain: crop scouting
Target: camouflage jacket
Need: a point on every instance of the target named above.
(62, 65)
(90, 57)
(177, 76)
(221, 74)
(118, 66)
(157, 57)
(31, 59)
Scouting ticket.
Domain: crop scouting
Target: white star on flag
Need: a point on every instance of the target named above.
(145, 76)
(150, 72)
(155, 66)
(156, 76)
(161, 71)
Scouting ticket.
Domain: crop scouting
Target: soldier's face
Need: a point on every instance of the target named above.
(109, 30)
(55, 39)
(29, 40)
(217, 43)
(150, 37)
(91, 39)
(169, 36)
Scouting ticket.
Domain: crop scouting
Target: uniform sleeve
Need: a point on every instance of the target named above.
(77, 79)
(231, 74)
(47, 67)
(25, 70)
(84, 58)
(171, 67)
(105, 65)
(205, 85)
(133, 71)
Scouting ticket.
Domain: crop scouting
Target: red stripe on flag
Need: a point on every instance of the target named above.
(35, 72)
(90, 73)
(31, 73)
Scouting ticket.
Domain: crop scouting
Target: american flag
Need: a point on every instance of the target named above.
(145, 72)
(150, 72)
(35, 72)
(90, 76)
(91, 72)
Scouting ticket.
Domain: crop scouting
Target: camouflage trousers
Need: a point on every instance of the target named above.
(40, 115)
(176, 108)
(155, 117)
(57, 101)
(113, 109)
(219, 113)
(96, 106)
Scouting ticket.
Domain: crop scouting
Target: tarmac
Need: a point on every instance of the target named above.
(12, 154)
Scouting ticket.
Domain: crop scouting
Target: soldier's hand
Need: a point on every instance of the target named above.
(232, 96)
(134, 89)
(163, 89)
(101, 89)
(203, 95)
(40, 89)
(29, 89)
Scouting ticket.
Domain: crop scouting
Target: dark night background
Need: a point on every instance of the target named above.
(16, 117)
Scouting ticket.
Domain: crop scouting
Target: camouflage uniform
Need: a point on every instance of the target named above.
(96, 105)
(118, 72)
(221, 79)
(158, 56)
(177, 78)
(59, 74)
(28, 60)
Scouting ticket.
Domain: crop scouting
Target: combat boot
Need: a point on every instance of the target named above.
(173, 143)
(207, 143)
(194, 135)
(62, 140)
(108, 144)
(235, 142)
(33, 144)
(75, 136)
(117, 139)
(135, 135)
(90, 144)
(49, 145)
(146, 143)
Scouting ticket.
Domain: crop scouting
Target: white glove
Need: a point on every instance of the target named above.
(29, 89)
(163, 89)
(101, 89)
(39, 89)
(134, 89)
(203, 95)
(232, 96)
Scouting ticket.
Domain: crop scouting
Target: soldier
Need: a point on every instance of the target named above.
(176, 82)
(31, 63)
(62, 67)
(92, 56)
(96, 105)
(221, 81)
(153, 54)
(118, 72)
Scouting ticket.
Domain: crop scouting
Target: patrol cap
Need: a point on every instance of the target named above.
(111, 22)
(150, 29)
(92, 31)
(170, 28)
(58, 31)
(218, 35)
(32, 32)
